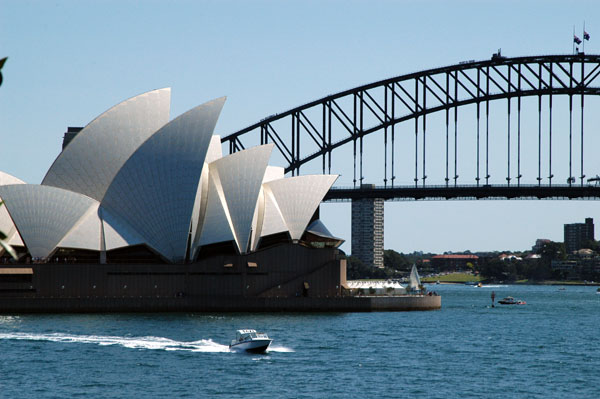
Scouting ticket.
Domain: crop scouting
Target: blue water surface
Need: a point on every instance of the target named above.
(545, 349)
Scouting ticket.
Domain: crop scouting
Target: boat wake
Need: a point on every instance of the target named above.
(153, 343)
(281, 349)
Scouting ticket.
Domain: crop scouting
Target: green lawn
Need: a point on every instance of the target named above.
(451, 278)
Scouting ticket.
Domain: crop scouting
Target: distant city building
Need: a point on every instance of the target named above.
(563, 265)
(453, 261)
(367, 229)
(576, 267)
(576, 234)
(539, 244)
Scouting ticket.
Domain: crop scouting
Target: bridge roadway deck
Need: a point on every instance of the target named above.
(464, 192)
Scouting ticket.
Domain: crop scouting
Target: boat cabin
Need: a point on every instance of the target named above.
(248, 335)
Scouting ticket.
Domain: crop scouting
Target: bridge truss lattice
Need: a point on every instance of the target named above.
(316, 130)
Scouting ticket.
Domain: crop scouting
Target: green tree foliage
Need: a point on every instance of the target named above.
(553, 251)
(593, 245)
(395, 265)
(356, 269)
(495, 269)
(396, 261)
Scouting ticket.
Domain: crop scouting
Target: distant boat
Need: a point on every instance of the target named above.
(415, 280)
(509, 300)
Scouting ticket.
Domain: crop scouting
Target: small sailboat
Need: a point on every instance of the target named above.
(414, 279)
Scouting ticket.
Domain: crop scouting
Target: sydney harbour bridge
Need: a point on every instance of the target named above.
(501, 128)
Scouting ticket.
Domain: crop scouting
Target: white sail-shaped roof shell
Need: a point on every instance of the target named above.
(298, 198)
(155, 190)
(117, 233)
(44, 215)
(6, 224)
(215, 149)
(6, 179)
(240, 176)
(214, 152)
(273, 220)
(96, 154)
(85, 234)
(98, 230)
(131, 178)
(266, 213)
(216, 225)
(273, 173)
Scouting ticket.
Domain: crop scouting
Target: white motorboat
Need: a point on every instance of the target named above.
(250, 341)
(509, 300)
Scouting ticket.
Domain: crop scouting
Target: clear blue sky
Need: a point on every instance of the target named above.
(69, 61)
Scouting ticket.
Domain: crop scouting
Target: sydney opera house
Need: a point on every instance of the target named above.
(140, 205)
(140, 212)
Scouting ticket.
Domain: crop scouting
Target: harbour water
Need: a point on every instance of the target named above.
(545, 349)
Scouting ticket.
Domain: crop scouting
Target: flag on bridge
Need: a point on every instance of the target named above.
(576, 39)
(586, 36)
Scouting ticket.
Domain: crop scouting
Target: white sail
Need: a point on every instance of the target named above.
(415, 280)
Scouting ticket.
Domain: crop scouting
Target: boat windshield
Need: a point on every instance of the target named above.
(244, 336)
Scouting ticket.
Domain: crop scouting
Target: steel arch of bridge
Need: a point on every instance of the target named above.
(416, 95)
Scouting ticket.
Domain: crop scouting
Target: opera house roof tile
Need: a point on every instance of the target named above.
(113, 136)
(131, 177)
(43, 214)
(6, 224)
(240, 176)
(298, 197)
(217, 225)
(155, 190)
